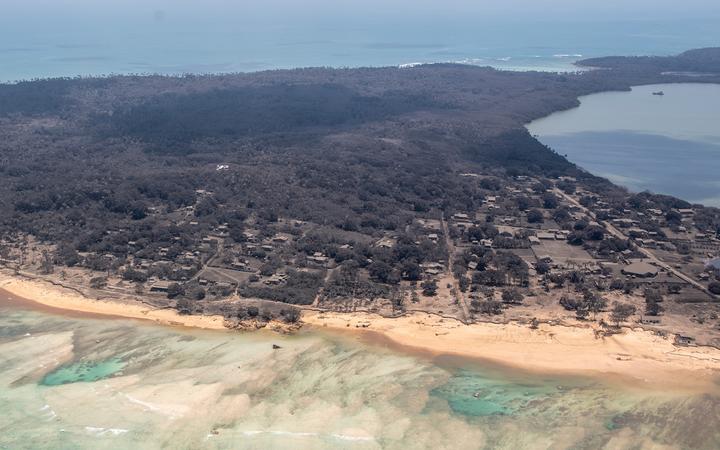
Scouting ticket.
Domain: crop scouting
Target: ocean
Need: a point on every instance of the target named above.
(87, 383)
(89, 41)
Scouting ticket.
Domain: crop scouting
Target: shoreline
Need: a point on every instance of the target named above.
(59, 300)
(635, 354)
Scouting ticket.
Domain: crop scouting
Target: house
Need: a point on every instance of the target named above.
(640, 269)
(472, 265)
(544, 235)
(686, 212)
(276, 279)
(545, 258)
(239, 265)
(318, 258)
(534, 240)
(385, 243)
(636, 232)
(713, 265)
(624, 222)
(160, 286)
(648, 243)
(684, 341)
(433, 237)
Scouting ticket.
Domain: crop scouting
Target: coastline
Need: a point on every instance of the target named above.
(58, 299)
(635, 354)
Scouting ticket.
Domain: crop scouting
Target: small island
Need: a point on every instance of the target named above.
(406, 201)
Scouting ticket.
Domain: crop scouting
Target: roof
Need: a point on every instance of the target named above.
(641, 269)
(161, 285)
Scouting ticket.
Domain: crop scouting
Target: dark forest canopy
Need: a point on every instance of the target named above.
(364, 149)
(254, 110)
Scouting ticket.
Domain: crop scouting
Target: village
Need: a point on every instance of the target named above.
(537, 250)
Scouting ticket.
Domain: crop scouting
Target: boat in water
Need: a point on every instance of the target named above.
(658, 93)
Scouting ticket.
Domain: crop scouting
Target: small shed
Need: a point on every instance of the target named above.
(684, 341)
(160, 286)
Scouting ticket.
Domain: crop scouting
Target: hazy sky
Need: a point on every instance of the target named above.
(576, 9)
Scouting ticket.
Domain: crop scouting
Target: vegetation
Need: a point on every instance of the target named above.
(309, 185)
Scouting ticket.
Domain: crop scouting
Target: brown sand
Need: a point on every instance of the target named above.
(58, 298)
(635, 353)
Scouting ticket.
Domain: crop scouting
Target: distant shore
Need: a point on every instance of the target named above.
(561, 349)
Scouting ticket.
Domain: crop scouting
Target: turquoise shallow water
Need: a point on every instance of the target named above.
(471, 395)
(84, 371)
(93, 384)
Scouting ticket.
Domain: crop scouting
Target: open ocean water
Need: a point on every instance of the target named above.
(88, 39)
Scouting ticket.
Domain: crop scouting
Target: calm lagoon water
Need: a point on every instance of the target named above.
(667, 144)
(80, 383)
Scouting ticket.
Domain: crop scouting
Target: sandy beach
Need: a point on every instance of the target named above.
(60, 299)
(636, 353)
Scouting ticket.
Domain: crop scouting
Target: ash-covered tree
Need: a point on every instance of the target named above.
(429, 288)
(621, 312)
(175, 290)
(98, 282)
(714, 287)
(535, 216)
(550, 201)
(653, 308)
(512, 296)
(46, 263)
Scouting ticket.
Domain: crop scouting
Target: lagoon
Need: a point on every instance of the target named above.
(668, 144)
